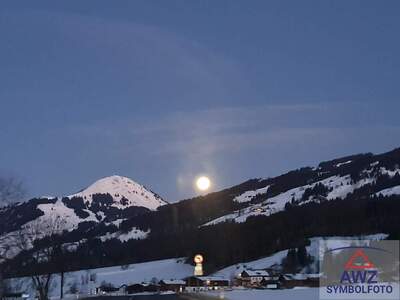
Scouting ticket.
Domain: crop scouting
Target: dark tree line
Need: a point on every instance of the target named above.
(296, 259)
(229, 243)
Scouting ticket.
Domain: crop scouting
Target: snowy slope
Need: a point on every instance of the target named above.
(60, 210)
(69, 212)
(262, 263)
(124, 192)
(312, 249)
(338, 186)
(120, 187)
(341, 187)
(135, 233)
(390, 191)
(249, 195)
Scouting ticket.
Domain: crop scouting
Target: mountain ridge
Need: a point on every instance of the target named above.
(122, 187)
(240, 222)
(108, 200)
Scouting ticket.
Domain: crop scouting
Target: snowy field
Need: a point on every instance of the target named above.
(312, 250)
(118, 275)
(86, 281)
(262, 263)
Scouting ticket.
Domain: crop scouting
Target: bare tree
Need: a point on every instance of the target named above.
(5, 248)
(42, 239)
(11, 190)
(1, 284)
(43, 231)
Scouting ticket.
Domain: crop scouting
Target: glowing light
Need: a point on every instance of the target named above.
(198, 269)
(198, 259)
(203, 183)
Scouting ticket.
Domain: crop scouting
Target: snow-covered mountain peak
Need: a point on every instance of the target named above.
(125, 192)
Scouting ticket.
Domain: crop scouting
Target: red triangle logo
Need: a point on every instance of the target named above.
(359, 253)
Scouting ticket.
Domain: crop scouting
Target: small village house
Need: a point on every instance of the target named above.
(271, 282)
(141, 288)
(201, 283)
(134, 288)
(15, 296)
(289, 281)
(253, 278)
(108, 290)
(174, 285)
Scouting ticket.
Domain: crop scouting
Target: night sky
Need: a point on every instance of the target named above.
(162, 91)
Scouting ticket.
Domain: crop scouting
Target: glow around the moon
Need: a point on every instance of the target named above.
(203, 183)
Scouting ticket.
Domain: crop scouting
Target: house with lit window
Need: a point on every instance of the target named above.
(174, 285)
(253, 278)
(203, 283)
(299, 280)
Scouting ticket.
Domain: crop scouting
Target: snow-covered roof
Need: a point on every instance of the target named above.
(249, 195)
(211, 278)
(148, 284)
(300, 276)
(317, 275)
(173, 281)
(257, 273)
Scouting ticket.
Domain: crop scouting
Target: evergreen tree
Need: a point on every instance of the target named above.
(302, 256)
(291, 262)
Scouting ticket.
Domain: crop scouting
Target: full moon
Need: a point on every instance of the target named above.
(203, 183)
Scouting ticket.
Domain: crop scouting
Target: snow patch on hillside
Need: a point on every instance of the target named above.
(67, 215)
(343, 163)
(249, 195)
(116, 222)
(390, 173)
(341, 186)
(262, 263)
(135, 233)
(56, 218)
(390, 191)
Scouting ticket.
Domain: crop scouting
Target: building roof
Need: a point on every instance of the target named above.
(316, 275)
(109, 288)
(257, 273)
(276, 278)
(144, 284)
(300, 276)
(13, 295)
(211, 278)
(173, 281)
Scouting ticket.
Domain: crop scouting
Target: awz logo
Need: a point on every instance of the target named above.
(366, 265)
(364, 271)
(359, 277)
(365, 276)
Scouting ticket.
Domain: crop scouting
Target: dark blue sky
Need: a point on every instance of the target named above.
(161, 91)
